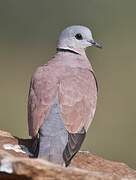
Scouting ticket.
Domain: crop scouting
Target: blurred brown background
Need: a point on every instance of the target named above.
(28, 33)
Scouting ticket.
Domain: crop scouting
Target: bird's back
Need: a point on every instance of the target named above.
(71, 77)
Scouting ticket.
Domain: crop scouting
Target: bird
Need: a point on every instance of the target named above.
(62, 98)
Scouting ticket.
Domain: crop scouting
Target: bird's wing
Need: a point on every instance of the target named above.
(78, 96)
(77, 93)
(43, 88)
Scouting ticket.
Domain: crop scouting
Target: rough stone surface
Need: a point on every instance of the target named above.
(15, 164)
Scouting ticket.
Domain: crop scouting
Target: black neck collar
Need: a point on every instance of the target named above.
(66, 50)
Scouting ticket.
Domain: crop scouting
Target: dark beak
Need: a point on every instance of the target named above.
(95, 44)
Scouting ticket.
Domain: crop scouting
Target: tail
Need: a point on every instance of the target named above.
(53, 136)
(51, 147)
(55, 143)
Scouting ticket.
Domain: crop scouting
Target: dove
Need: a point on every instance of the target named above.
(62, 98)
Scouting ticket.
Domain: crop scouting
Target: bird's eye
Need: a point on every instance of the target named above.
(78, 36)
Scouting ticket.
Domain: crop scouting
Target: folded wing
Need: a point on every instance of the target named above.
(77, 92)
(78, 96)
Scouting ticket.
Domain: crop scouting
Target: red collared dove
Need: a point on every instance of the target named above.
(62, 98)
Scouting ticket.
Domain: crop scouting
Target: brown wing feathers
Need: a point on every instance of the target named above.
(75, 141)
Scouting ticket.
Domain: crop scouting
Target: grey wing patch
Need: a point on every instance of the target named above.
(75, 141)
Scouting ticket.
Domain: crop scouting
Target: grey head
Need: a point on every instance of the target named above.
(76, 38)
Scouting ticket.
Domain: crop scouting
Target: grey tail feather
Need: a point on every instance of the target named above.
(75, 141)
